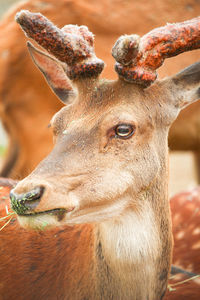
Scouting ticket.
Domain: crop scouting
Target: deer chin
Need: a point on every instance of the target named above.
(38, 222)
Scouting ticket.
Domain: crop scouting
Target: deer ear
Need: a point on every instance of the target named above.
(53, 72)
(185, 86)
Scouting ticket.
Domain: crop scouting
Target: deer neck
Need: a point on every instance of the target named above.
(133, 251)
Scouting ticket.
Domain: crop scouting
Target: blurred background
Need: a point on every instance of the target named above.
(27, 140)
(4, 6)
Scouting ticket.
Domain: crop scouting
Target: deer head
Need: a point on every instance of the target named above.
(109, 165)
(112, 139)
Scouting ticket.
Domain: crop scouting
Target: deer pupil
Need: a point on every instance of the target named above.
(124, 130)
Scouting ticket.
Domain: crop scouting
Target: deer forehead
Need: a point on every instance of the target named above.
(106, 105)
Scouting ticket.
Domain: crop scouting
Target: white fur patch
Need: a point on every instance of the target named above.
(132, 237)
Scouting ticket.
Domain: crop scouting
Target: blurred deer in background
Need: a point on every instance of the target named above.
(21, 105)
(107, 175)
(185, 211)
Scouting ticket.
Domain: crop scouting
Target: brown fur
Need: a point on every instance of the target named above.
(26, 115)
(41, 262)
(185, 208)
(41, 248)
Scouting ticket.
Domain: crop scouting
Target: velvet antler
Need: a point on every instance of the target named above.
(72, 44)
(138, 58)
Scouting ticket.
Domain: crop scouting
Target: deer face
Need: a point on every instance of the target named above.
(110, 142)
(104, 150)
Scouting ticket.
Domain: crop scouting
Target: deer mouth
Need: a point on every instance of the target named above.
(58, 212)
(51, 211)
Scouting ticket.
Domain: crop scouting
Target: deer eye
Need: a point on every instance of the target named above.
(124, 131)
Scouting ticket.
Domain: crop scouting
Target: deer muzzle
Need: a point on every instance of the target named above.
(26, 202)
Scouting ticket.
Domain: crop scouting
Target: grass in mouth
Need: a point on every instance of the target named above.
(8, 217)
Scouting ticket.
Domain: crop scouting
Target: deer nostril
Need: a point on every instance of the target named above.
(21, 203)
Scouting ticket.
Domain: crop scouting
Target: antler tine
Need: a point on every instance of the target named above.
(72, 44)
(138, 58)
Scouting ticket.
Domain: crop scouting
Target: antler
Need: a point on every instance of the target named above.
(138, 58)
(72, 44)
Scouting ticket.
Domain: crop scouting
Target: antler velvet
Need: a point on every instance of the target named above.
(72, 44)
(138, 58)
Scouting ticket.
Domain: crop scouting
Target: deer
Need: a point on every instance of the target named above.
(101, 194)
(20, 107)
